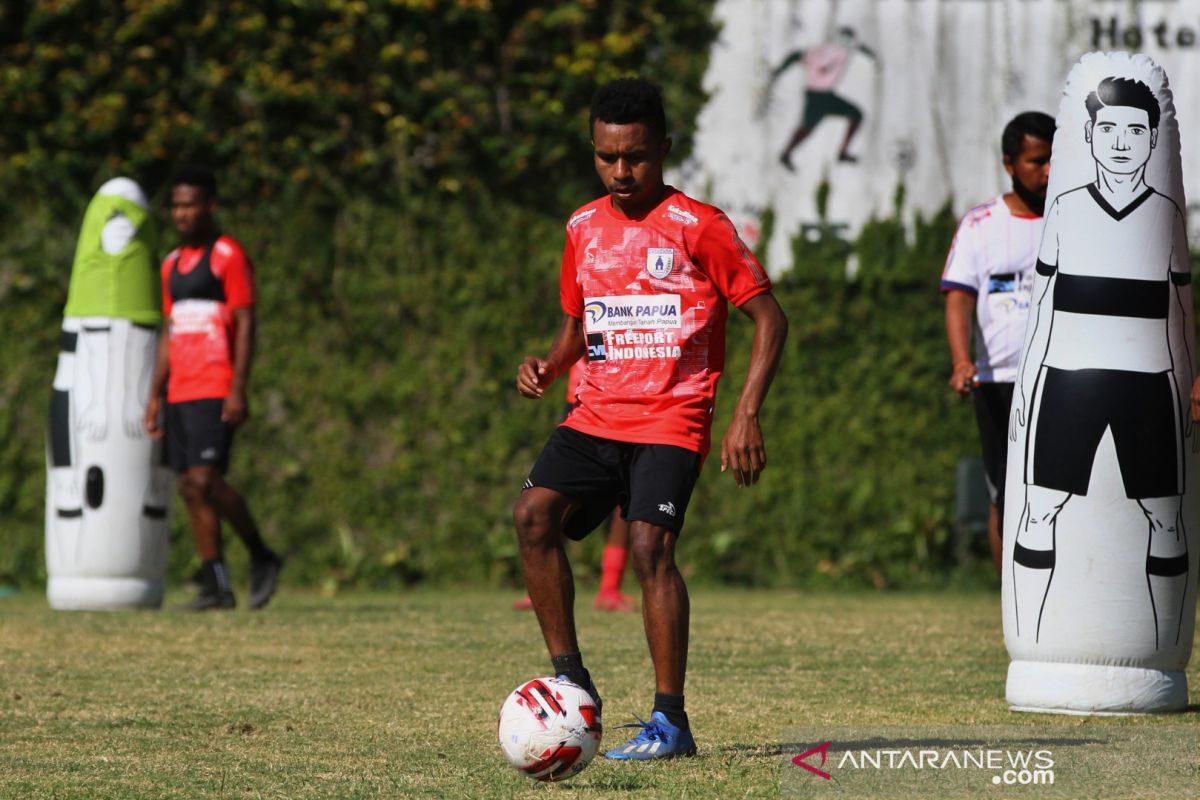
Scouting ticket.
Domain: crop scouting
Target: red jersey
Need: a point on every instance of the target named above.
(652, 294)
(201, 288)
(574, 376)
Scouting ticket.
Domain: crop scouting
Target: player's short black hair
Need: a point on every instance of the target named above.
(196, 175)
(1114, 91)
(628, 100)
(1027, 123)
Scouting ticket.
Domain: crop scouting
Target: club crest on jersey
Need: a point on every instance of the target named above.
(659, 262)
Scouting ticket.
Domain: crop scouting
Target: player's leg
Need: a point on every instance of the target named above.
(993, 402)
(661, 479)
(612, 567)
(265, 564)
(1166, 566)
(813, 112)
(1034, 556)
(539, 514)
(571, 487)
(844, 108)
(193, 436)
(195, 486)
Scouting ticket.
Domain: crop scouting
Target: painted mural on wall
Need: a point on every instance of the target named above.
(866, 95)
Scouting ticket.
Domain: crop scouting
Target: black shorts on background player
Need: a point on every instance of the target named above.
(196, 435)
(993, 402)
(651, 482)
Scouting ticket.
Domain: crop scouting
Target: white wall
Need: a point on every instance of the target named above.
(950, 73)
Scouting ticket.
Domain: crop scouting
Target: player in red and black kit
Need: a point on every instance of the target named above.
(647, 275)
(203, 365)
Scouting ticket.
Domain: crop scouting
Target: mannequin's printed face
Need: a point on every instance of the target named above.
(1121, 138)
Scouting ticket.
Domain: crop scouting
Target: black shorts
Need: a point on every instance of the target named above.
(195, 435)
(650, 482)
(1077, 406)
(993, 403)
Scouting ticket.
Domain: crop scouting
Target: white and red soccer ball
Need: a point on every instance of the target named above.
(549, 729)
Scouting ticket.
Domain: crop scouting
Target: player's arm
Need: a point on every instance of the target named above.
(535, 374)
(960, 308)
(743, 449)
(236, 409)
(1037, 331)
(162, 368)
(792, 58)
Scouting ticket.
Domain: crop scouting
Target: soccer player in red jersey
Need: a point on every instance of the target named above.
(647, 274)
(203, 365)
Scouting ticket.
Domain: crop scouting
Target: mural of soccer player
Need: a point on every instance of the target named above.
(1115, 298)
(825, 65)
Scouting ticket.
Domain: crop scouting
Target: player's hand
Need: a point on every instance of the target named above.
(1018, 416)
(235, 410)
(533, 376)
(962, 380)
(743, 451)
(150, 418)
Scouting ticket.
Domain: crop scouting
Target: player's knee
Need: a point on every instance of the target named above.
(196, 487)
(650, 556)
(533, 521)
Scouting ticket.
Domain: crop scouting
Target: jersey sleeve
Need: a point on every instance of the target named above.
(569, 294)
(724, 257)
(237, 278)
(961, 272)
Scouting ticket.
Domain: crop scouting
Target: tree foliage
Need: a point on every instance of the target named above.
(332, 98)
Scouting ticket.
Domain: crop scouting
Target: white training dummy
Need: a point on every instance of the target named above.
(1099, 570)
(107, 492)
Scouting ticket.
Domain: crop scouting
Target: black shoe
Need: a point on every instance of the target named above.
(264, 575)
(210, 601)
(846, 158)
(786, 160)
(590, 688)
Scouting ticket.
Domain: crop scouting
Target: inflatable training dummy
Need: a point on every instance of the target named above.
(1100, 555)
(107, 491)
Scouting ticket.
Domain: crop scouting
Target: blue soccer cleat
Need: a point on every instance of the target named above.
(658, 739)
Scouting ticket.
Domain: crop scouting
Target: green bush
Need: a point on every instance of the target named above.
(387, 442)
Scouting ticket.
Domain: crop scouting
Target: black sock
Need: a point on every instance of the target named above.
(671, 706)
(256, 546)
(571, 665)
(216, 576)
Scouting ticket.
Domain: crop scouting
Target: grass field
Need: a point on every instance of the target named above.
(395, 695)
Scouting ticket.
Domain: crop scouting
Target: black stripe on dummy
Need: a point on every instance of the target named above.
(60, 428)
(97, 328)
(1181, 278)
(1034, 559)
(1045, 269)
(94, 487)
(67, 341)
(1111, 297)
(69, 513)
(1167, 567)
(154, 512)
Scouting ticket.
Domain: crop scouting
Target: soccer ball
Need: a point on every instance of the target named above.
(549, 729)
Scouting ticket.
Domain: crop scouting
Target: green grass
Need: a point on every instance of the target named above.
(395, 695)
